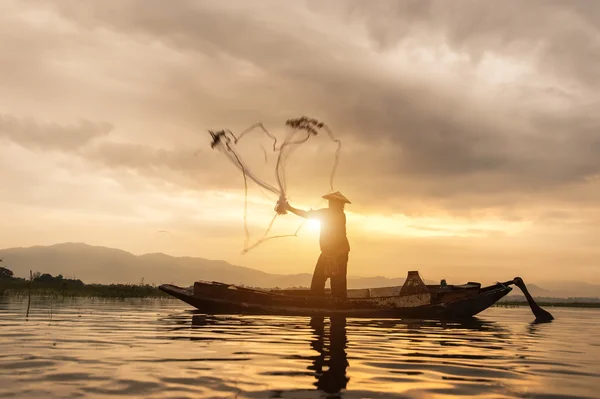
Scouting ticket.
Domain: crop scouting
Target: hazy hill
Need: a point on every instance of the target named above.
(565, 289)
(561, 290)
(93, 264)
(534, 290)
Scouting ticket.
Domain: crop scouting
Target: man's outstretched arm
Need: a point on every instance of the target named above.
(296, 211)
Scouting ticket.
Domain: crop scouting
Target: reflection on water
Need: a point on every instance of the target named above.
(161, 349)
(328, 340)
(332, 354)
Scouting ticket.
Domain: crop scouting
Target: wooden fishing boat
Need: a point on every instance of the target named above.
(413, 300)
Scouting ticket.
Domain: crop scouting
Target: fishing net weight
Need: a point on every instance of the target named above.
(302, 130)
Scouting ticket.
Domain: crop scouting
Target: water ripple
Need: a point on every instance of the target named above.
(161, 349)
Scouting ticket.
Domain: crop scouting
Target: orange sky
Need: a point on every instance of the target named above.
(471, 141)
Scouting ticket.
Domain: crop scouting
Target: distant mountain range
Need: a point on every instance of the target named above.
(94, 264)
(570, 290)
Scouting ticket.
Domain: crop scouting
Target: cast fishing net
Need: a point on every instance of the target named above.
(300, 132)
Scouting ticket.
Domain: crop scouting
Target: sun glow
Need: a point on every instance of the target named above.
(401, 225)
(314, 226)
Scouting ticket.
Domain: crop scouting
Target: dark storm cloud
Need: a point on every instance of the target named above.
(566, 34)
(435, 137)
(183, 167)
(403, 137)
(31, 133)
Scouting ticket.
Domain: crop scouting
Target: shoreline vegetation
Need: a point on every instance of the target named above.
(565, 304)
(46, 285)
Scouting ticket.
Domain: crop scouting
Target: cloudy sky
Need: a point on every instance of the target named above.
(471, 141)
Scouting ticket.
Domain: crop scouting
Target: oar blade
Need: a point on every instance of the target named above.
(540, 314)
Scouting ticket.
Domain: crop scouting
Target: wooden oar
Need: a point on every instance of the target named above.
(540, 314)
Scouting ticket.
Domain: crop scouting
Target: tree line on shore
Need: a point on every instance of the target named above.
(46, 284)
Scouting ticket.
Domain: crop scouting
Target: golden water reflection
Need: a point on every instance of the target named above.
(161, 350)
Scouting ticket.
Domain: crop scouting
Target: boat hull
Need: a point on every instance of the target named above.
(216, 298)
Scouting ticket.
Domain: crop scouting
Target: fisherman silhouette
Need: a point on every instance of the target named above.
(333, 261)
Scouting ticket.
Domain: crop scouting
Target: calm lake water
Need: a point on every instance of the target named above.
(161, 349)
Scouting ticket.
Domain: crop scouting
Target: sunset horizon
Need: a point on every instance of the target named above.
(459, 162)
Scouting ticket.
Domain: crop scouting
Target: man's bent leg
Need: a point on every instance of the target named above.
(338, 281)
(317, 286)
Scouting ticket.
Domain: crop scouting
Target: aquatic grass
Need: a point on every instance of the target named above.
(565, 304)
(18, 287)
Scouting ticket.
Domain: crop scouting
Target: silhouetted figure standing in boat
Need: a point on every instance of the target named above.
(333, 261)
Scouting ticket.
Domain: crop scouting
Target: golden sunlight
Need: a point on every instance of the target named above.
(313, 226)
(401, 225)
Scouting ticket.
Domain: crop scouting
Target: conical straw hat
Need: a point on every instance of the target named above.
(337, 196)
